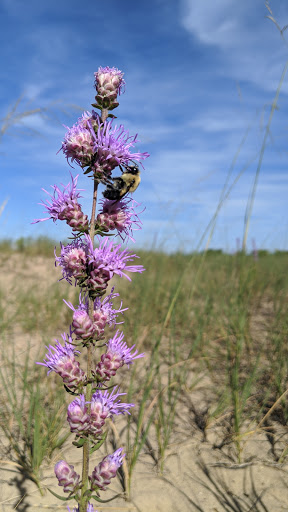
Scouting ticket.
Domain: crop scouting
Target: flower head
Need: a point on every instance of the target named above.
(77, 415)
(108, 259)
(103, 314)
(105, 405)
(65, 206)
(61, 359)
(109, 83)
(78, 144)
(119, 215)
(116, 355)
(112, 148)
(93, 268)
(73, 260)
(99, 146)
(102, 474)
(67, 477)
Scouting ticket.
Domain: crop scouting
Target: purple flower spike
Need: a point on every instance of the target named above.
(62, 361)
(109, 83)
(67, 477)
(121, 216)
(116, 355)
(102, 474)
(65, 206)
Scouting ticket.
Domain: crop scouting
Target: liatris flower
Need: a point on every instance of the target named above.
(112, 148)
(65, 206)
(107, 260)
(99, 146)
(116, 355)
(103, 314)
(83, 325)
(73, 260)
(119, 215)
(77, 415)
(109, 83)
(105, 406)
(62, 361)
(79, 144)
(102, 474)
(67, 477)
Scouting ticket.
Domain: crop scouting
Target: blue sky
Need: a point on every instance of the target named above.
(198, 74)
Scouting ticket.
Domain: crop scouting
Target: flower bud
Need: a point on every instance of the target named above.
(76, 219)
(78, 145)
(116, 355)
(109, 83)
(75, 261)
(67, 477)
(77, 415)
(108, 366)
(61, 359)
(102, 474)
(100, 320)
(83, 325)
(98, 281)
(71, 372)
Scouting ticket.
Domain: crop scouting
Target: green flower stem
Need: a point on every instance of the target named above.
(88, 394)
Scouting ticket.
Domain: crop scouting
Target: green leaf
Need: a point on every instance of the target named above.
(61, 497)
(105, 501)
(97, 445)
(79, 443)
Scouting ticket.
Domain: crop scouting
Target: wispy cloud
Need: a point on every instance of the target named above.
(249, 45)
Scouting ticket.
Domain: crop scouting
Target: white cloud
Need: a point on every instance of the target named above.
(250, 46)
(218, 23)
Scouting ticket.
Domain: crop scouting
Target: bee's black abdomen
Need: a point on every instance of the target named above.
(111, 194)
(113, 191)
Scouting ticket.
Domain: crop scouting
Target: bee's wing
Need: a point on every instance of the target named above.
(117, 183)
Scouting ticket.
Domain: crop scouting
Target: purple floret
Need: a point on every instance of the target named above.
(112, 147)
(110, 258)
(116, 345)
(64, 202)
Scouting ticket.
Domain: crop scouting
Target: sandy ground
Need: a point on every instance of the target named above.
(197, 476)
(184, 486)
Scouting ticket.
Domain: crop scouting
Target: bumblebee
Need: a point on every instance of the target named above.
(122, 185)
